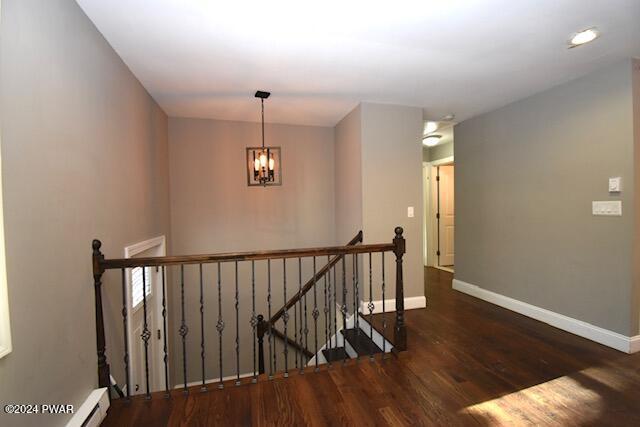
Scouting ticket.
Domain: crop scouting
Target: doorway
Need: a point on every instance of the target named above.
(145, 288)
(439, 239)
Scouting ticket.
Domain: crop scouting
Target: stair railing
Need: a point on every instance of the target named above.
(259, 326)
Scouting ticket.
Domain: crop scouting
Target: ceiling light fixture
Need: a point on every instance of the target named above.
(431, 140)
(430, 127)
(583, 37)
(264, 166)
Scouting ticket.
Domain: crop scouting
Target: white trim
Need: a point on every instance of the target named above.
(410, 303)
(578, 327)
(99, 398)
(5, 326)
(130, 251)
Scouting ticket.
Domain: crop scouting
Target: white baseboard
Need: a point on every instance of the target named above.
(410, 303)
(578, 327)
(92, 411)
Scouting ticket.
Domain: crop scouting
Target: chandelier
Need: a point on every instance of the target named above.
(263, 162)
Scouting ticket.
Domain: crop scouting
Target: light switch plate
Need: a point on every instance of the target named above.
(410, 211)
(607, 208)
(615, 184)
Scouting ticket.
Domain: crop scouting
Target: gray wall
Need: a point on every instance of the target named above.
(525, 178)
(635, 318)
(348, 172)
(430, 154)
(213, 210)
(84, 153)
(392, 181)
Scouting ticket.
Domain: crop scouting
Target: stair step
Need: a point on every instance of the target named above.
(335, 354)
(361, 343)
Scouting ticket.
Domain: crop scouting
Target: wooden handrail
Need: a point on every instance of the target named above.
(118, 263)
(357, 239)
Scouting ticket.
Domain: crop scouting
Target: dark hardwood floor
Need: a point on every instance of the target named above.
(468, 363)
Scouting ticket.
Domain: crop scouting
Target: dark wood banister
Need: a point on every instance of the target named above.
(357, 239)
(117, 263)
(100, 264)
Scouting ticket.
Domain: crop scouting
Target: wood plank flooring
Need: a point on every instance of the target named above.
(468, 363)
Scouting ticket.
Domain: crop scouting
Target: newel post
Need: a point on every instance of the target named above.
(400, 331)
(98, 270)
(261, 329)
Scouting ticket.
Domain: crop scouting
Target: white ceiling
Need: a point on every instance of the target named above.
(205, 58)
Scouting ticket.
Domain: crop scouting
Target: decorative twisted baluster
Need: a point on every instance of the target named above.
(237, 305)
(125, 326)
(299, 308)
(295, 316)
(165, 357)
(204, 386)
(146, 334)
(220, 326)
(183, 331)
(285, 319)
(254, 319)
(335, 307)
(384, 319)
(343, 309)
(356, 294)
(315, 313)
(370, 306)
(327, 337)
(271, 369)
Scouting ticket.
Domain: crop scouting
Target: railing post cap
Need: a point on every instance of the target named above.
(399, 231)
(96, 244)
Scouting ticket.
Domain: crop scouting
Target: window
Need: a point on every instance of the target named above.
(137, 283)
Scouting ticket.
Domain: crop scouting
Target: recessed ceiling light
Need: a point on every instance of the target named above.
(431, 140)
(449, 117)
(583, 37)
(430, 127)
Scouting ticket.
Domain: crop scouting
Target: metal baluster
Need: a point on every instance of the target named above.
(384, 320)
(220, 326)
(371, 306)
(299, 308)
(184, 330)
(343, 309)
(356, 294)
(295, 317)
(165, 358)
(203, 387)
(327, 337)
(269, 325)
(285, 318)
(146, 334)
(254, 319)
(306, 323)
(125, 325)
(315, 312)
(335, 308)
(237, 299)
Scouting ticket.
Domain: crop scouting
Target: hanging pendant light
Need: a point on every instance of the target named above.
(264, 162)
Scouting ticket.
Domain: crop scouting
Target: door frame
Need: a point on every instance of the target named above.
(157, 373)
(430, 207)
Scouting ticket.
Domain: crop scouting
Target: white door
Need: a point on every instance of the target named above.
(139, 361)
(447, 215)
